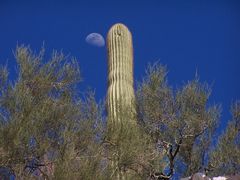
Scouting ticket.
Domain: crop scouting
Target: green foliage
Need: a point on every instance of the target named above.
(41, 117)
(179, 122)
(130, 150)
(47, 130)
(225, 159)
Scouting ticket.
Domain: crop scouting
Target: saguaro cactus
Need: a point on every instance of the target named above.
(120, 95)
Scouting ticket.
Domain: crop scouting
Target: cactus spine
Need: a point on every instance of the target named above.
(120, 95)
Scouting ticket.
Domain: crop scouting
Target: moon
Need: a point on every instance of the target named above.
(95, 39)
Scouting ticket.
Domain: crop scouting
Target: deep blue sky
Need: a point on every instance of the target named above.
(184, 35)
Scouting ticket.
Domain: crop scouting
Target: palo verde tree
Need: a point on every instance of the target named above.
(49, 130)
(179, 122)
(225, 158)
(44, 126)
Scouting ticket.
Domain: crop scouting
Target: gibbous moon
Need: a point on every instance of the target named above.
(95, 39)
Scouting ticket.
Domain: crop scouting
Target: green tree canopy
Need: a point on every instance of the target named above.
(49, 130)
(225, 159)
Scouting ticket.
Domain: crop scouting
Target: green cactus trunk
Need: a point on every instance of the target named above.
(120, 95)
